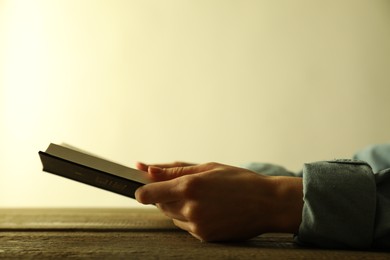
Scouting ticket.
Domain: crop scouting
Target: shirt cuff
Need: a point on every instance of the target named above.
(339, 204)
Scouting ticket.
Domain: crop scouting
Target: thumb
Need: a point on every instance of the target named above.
(164, 174)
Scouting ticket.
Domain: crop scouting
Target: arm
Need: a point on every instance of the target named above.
(345, 203)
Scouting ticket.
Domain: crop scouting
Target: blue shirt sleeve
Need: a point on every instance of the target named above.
(377, 156)
(346, 203)
(339, 205)
(268, 169)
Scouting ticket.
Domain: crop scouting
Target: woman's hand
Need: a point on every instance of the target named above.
(216, 202)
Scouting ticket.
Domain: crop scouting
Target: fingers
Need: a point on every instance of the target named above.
(165, 187)
(174, 164)
(158, 192)
(157, 171)
(169, 171)
(163, 174)
(144, 167)
(168, 186)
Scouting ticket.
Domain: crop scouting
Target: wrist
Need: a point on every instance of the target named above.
(288, 204)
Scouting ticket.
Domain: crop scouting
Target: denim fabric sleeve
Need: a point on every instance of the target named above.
(268, 169)
(346, 205)
(378, 156)
(382, 227)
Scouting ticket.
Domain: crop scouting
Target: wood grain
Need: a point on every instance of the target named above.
(135, 234)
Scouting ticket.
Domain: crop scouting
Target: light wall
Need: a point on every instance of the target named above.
(275, 81)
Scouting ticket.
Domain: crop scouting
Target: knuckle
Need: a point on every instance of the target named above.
(190, 186)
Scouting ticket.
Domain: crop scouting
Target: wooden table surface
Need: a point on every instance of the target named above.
(135, 234)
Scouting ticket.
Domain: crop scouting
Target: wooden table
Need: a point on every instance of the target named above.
(135, 234)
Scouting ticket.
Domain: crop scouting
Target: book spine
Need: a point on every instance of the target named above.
(88, 175)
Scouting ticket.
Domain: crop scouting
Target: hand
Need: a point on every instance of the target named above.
(216, 202)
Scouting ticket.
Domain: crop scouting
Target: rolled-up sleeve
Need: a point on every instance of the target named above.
(377, 156)
(345, 205)
(382, 220)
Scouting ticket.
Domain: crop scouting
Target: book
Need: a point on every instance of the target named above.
(77, 165)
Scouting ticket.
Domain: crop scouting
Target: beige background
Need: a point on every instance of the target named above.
(277, 81)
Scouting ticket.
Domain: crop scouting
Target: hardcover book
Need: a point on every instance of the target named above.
(83, 167)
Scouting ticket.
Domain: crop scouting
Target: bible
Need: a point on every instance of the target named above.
(71, 163)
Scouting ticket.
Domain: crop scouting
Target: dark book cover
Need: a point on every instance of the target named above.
(92, 170)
